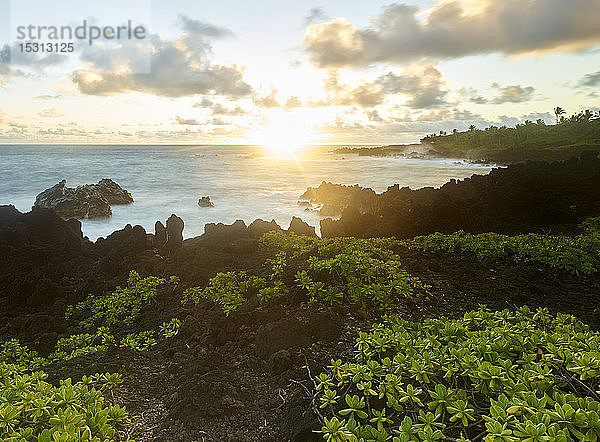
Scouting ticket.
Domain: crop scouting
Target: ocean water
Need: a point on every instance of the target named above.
(244, 182)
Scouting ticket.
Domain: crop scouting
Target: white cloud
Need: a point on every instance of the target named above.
(186, 121)
(451, 30)
(177, 68)
(423, 84)
(513, 94)
(50, 113)
(267, 101)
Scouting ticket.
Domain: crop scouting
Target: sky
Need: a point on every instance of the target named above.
(304, 72)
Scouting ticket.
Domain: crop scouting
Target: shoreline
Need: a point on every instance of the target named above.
(500, 157)
(226, 373)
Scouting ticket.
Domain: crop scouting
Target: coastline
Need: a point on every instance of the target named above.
(250, 365)
(474, 156)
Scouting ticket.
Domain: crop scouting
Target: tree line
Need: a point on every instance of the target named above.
(580, 129)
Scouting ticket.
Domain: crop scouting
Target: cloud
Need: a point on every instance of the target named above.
(186, 121)
(407, 127)
(478, 99)
(315, 15)
(197, 27)
(50, 113)
(546, 117)
(452, 30)
(48, 97)
(6, 70)
(267, 101)
(293, 102)
(513, 94)
(178, 68)
(590, 80)
(341, 94)
(374, 116)
(219, 122)
(450, 115)
(14, 63)
(220, 109)
(509, 121)
(423, 84)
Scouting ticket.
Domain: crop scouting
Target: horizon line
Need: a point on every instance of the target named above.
(199, 145)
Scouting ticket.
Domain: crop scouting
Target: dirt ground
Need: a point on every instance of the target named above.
(247, 377)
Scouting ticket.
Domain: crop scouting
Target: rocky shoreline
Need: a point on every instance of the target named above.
(524, 197)
(244, 376)
(476, 156)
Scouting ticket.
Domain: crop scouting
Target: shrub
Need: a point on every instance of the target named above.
(500, 376)
(123, 305)
(349, 270)
(81, 344)
(139, 341)
(329, 271)
(229, 290)
(32, 409)
(575, 254)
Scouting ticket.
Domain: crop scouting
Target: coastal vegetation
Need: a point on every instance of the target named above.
(491, 375)
(527, 140)
(32, 409)
(497, 376)
(581, 129)
(349, 271)
(578, 254)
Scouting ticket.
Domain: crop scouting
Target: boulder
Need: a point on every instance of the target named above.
(160, 235)
(332, 199)
(122, 250)
(112, 192)
(87, 201)
(226, 232)
(259, 227)
(300, 227)
(205, 202)
(174, 231)
(37, 250)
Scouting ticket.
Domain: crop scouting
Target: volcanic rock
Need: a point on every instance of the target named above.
(87, 201)
(300, 227)
(205, 202)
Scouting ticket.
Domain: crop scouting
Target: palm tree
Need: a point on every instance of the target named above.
(558, 111)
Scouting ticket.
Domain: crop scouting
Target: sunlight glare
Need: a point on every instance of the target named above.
(284, 136)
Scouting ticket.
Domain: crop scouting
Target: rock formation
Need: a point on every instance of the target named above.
(87, 201)
(205, 202)
(532, 196)
(170, 238)
(300, 227)
(334, 198)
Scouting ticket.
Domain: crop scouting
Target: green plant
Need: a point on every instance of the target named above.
(139, 341)
(32, 409)
(575, 254)
(591, 225)
(229, 290)
(348, 270)
(171, 328)
(84, 343)
(123, 305)
(498, 376)
(13, 352)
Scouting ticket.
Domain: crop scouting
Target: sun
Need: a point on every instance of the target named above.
(284, 136)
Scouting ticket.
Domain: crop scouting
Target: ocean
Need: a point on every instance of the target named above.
(244, 182)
